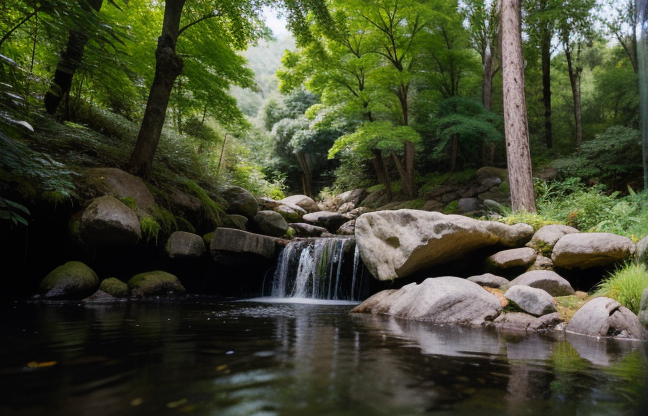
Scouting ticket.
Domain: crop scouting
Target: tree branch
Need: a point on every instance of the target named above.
(195, 22)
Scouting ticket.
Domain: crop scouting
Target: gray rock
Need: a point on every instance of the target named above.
(395, 244)
(346, 207)
(605, 317)
(155, 283)
(267, 204)
(355, 197)
(441, 300)
(546, 237)
(117, 183)
(329, 220)
(469, 205)
(114, 287)
(490, 182)
(302, 201)
(73, 280)
(182, 244)
(642, 251)
(187, 203)
(108, 222)
(496, 195)
(307, 230)
(370, 303)
(586, 250)
(533, 301)
(489, 280)
(523, 322)
(291, 213)
(550, 282)
(495, 206)
(516, 257)
(542, 263)
(348, 228)
(356, 212)
(375, 199)
(240, 201)
(229, 245)
(236, 221)
(643, 308)
(271, 223)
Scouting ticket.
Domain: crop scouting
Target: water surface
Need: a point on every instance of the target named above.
(251, 358)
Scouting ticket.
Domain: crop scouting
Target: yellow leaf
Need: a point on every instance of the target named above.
(173, 405)
(35, 364)
(221, 367)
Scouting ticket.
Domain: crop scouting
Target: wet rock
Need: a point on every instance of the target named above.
(119, 184)
(546, 237)
(107, 222)
(516, 257)
(396, 244)
(549, 281)
(73, 280)
(523, 322)
(101, 297)
(307, 230)
(441, 300)
(236, 221)
(533, 301)
(584, 250)
(489, 280)
(271, 223)
(229, 245)
(114, 287)
(605, 317)
(304, 202)
(348, 228)
(240, 201)
(370, 303)
(182, 244)
(291, 213)
(329, 220)
(155, 283)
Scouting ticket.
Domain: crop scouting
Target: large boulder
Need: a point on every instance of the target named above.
(302, 201)
(546, 237)
(155, 283)
(73, 280)
(605, 317)
(353, 197)
(109, 222)
(585, 250)
(182, 244)
(291, 213)
(117, 183)
(643, 308)
(271, 223)
(240, 201)
(523, 322)
(229, 245)
(329, 220)
(395, 244)
(516, 257)
(547, 280)
(533, 301)
(642, 251)
(114, 287)
(441, 300)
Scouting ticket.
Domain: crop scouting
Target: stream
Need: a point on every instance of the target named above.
(206, 356)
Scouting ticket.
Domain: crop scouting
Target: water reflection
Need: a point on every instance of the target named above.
(215, 358)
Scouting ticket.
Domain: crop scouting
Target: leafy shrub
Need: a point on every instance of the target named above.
(625, 285)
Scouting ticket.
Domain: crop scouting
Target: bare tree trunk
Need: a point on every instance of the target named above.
(515, 115)
(307, 179)
(487, 78)
(168, 66)
(574, 80)
(381, 172)
(545, 51)
(408, 179)
(401, 172)
(69, 63)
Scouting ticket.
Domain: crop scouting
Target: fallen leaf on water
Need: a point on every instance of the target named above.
(178, 403)
(35, 364)
(137, 402)
(221, 367)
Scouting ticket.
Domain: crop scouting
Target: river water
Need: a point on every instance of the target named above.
(211, 357)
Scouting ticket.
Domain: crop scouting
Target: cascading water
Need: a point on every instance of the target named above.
(320, 268)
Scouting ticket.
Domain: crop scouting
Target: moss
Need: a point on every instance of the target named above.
(214, 210)
(150, 228)
(114, 287)
(166, 219)
(129, 202)
(155, 283)
(207, 238)
(73, 280)
(451, 208)
(568, 305)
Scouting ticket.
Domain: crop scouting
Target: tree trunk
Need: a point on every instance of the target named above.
(574, 81)
(69, 63)
(381, 172)
(545, 47)
(515, 115)
(401, 172)
(453, 153)
(168, 66)
(642, 59)
(487, 78)
(408, 179)
(307, 179)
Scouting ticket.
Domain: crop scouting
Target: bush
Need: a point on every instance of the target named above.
(625, 285)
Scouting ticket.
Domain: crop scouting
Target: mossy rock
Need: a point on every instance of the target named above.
(73, 280)
(155, 283)
(114, 287)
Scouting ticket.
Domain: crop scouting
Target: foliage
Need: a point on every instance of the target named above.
(535, 220)
(150, 228)
(13, 211)
(625, 285)
(351, 174)
(213, 209)
(381, 135)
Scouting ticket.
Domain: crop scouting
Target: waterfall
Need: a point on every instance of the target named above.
(320, 268)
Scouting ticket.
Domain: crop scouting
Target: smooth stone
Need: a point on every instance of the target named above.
(155, 283)
(230, 242)
(304, 202)
(271, 223)
(182, 244)
(114, 287)
(489, 280)
(605, 317)
(307, 230)
(533, 301)
(329, 220)
(240, 201)
(585, 250)
(547, 237)
(72, 280)
(516, 257)
(549, 281)
(109, 222)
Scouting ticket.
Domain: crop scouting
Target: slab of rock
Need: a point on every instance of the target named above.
(441, 300)
(643, 308)
(182, 244)
(302, 201)
(307, 230)
(395, 244)
(291, 213)
(155, 283)
(114, 287)
(533, 301)
(550, 282)
(231, 244)
(73, 280)
(370, 303)
(240, 201)
(271, 223)
(516, 257)
(117, 183)
(348, 228)
(585, 250)
(489, 280)
(355, 197)
(518, 321)
(109, 222)
(546, 237)
(235, 221)
(329, 220)
(642, 251)
(605, 317)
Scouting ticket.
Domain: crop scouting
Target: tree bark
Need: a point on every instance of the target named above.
(381, 172)
(515, 115)
(453, 153)
(574, 81)
(487, 78)
(642, 59)
(408, 178)
(307, 179)
(545, 51)
(168, 66)
(69, 63)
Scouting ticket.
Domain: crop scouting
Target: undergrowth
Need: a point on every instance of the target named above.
(625, 285)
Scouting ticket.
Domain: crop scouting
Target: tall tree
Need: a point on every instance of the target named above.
(620, 19)
(642, 43)
(515, 116)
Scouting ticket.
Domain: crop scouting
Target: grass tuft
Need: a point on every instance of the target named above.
(625, 285)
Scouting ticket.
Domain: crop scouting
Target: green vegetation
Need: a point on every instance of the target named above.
(625, 285)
